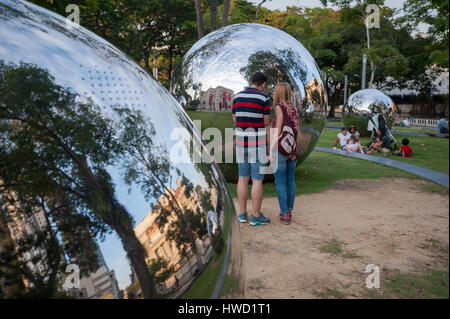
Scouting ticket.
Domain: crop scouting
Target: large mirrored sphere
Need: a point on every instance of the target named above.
(220, 65)
(145, 214)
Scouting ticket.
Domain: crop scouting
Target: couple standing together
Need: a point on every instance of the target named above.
(251, 114)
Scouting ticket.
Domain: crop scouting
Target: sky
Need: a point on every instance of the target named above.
(282, 4)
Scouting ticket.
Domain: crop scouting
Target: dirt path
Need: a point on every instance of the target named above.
(387, 222)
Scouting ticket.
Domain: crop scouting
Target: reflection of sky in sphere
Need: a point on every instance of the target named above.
(369, 101)
(216, 59)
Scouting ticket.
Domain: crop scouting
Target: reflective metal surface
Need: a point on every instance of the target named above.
(365, 108)
(220, 65)
(180, 213)
(368, 102)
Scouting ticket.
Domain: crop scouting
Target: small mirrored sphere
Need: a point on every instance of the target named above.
(364, 106)
(124, 218)
(220, 65)
(368, 102)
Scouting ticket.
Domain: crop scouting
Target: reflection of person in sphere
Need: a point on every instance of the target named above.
(211, 223)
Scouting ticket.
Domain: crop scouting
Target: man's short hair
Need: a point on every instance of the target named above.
(258, 78)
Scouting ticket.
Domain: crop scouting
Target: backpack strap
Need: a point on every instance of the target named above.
(286, 116)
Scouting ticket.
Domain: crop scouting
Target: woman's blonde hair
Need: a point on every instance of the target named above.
(282, 94)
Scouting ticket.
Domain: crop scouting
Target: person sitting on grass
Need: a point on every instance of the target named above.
(442, 125)
(352, 130)
(405, 150)
(382, 143)
(375, 139)
(342, 138)
(353, 145)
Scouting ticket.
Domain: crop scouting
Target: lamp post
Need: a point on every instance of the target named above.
(363, 77)
(345, 88)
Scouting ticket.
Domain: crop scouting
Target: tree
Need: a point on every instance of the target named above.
(258, 8)
(359, 12)
(435, 13)
(225, 13)
(214, 8)
(198, 12)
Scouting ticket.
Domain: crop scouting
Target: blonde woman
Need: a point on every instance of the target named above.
(285, 114)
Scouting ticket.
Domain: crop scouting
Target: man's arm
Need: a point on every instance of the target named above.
(267, 120)
(234, 118)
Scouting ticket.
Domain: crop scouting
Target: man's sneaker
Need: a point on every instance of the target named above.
(242, 217)
(260, 220)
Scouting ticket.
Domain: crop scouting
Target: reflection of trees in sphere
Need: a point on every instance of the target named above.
(102, 191)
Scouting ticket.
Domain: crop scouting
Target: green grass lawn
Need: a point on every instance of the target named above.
(428, 152)
(397, 128)
(321, 170)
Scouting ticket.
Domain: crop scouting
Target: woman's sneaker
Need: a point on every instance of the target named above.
(260, 220)
(290, 215)
(243, 217)
(284, 218)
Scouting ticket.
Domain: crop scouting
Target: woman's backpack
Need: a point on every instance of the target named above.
(287, 140)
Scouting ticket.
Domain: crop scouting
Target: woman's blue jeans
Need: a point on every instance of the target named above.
(285, 182)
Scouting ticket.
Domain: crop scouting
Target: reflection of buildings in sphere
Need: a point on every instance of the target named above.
(158, 246)
(216, 99)
(101, 283)
(21, 226)
(314, 94)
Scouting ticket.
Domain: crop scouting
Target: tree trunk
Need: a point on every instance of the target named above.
(257, 10)
(198, 12)
(214, 5)
(372, 65)
(136, 254)
(169, 75)
(226, 11)
(373, 68)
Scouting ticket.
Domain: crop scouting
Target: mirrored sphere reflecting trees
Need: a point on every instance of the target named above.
(220, 65)
(92, 203)
(364, 105)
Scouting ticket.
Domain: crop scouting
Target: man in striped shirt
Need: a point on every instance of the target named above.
(251, 113)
